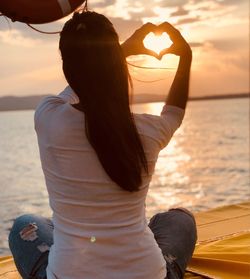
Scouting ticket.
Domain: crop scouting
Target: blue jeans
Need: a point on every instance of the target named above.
(31, 237)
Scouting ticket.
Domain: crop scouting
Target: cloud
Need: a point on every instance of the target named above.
(216, 29)
(180, 12)
(34, 82)
(225, 54)
(26, 32)
(171, 3)
(228, 45)
(101, 4)
(220, 2)
(124, 27)
(196, 44)
(15, 37)
(231, 2)
(142, 14)
(140, 9)
(188, 20)
(217, 5)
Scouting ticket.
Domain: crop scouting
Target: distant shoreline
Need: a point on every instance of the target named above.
(11, 103)
(161, 98)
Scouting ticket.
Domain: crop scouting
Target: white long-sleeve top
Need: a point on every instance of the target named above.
(100, 230)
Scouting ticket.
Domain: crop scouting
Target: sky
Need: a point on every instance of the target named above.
(217, 30)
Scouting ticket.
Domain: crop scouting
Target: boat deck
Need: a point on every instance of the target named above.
(222, 250)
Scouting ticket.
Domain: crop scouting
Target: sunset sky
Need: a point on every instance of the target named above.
(217, 30)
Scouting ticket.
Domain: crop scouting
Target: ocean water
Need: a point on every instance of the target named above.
(205, 165)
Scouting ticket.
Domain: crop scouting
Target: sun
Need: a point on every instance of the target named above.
(157, 42)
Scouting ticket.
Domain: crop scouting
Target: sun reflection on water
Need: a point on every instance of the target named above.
(205, 165)
(170, 174)
(173, 183)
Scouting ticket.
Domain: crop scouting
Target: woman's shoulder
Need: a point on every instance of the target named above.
(51, 103)
(47, 104)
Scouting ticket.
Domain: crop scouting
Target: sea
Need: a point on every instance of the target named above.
(205, 165)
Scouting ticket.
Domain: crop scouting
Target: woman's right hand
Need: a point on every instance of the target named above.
(179, 47)
(134, 45)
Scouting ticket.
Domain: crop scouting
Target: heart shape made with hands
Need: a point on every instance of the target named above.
(157, 42)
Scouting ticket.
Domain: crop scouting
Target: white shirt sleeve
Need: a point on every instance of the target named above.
(51, 102)
(69, 96)
(160, 128)
(173, 117)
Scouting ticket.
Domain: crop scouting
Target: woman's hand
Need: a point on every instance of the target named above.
(134, 45)
(178, 94)
(179, 47)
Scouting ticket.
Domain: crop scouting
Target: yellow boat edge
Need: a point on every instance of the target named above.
(223, 243)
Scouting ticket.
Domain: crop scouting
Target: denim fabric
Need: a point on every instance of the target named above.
(30, 250)
(174, 231)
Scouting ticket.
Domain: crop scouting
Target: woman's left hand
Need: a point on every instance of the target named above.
(134, 45)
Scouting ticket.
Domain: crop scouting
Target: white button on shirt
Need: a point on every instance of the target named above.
(100, 230)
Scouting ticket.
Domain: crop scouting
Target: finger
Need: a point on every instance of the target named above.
(165, 51)
(151, 53)
(167, 26)
(146, 28)
(171, 31)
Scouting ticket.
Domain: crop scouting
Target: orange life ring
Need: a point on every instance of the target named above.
(38, 11)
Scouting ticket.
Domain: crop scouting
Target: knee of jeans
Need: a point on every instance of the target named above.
(184, 210)
(25, 227)
(189, 222)
(153, 220)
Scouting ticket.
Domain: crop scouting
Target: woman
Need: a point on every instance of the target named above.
(98, 159)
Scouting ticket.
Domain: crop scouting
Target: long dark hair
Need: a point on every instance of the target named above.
(96, 69)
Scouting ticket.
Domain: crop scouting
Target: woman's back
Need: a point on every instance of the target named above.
(98, 226)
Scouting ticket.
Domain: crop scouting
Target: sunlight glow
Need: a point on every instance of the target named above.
(157, 43)
(161, 15)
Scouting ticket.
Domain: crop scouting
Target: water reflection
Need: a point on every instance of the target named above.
(170, 176)
(205, 165)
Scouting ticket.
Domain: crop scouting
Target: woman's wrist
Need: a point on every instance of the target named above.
(186, 54)
(125, 49)
(186, 58)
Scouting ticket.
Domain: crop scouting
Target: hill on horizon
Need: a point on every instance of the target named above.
(30, 102)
